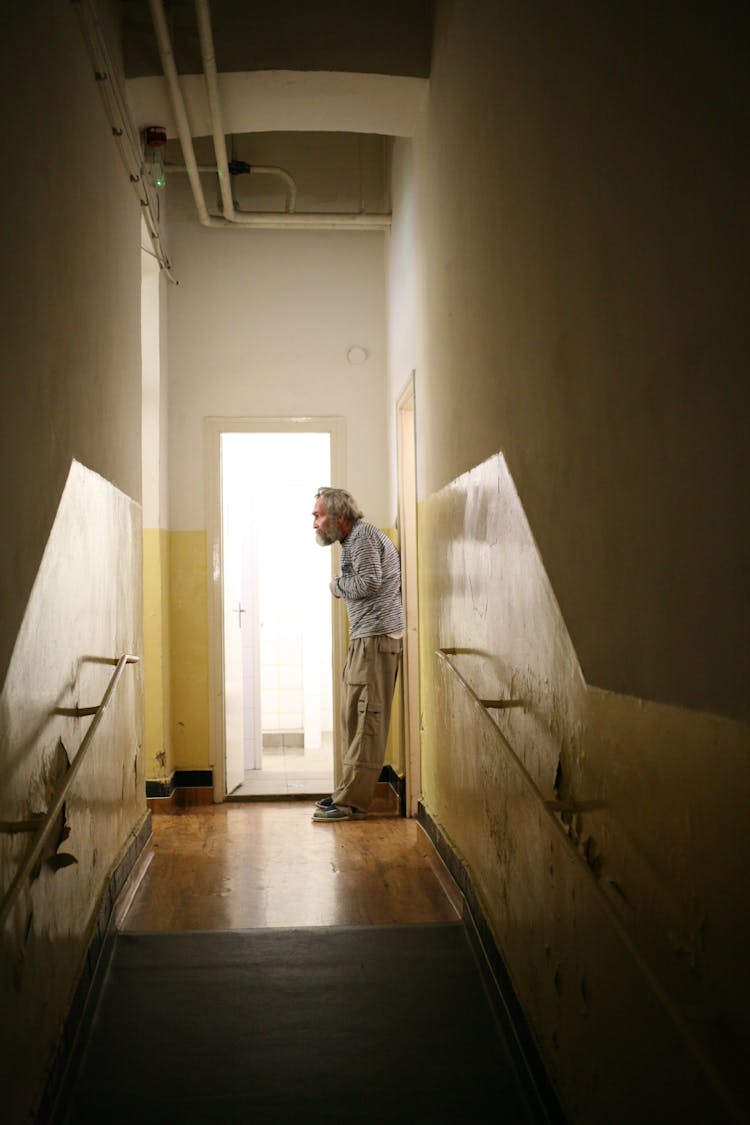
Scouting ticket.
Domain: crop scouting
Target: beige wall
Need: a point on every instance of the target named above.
(572, 205)
(581, 211)
(71, 338)
(71, 560)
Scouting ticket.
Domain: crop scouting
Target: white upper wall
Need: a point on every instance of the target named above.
(259, 326)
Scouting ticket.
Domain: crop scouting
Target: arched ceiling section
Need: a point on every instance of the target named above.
(300, 66)
(278, 101)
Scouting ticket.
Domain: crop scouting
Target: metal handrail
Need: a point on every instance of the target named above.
(488, 704)
(554, 807)
(45, 825)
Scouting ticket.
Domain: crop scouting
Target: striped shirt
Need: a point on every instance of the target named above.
(370, 581)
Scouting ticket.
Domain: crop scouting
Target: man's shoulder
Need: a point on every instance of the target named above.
(367, 530)
(362, 530)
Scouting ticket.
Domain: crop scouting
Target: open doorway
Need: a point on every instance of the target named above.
(273, 613)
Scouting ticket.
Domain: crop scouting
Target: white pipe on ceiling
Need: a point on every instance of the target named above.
(208, 56)
(274, 170)
(301, 220)
(254, 170)
(178, 107)
(253, 219)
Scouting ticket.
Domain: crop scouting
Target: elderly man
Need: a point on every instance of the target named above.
(370, 582)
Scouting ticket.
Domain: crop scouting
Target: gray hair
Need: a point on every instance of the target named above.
(339, 503)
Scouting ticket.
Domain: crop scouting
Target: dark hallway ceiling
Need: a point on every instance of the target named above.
(390, 37)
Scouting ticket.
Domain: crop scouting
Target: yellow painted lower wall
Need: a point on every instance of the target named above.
(188, 610)
(156, 655)
(394, 751)
(605, 835)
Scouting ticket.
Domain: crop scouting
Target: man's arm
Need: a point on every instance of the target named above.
(367, 576)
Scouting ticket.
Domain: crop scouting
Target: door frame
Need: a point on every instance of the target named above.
(406, 462)
(213, 428)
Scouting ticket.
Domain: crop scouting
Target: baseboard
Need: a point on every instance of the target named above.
(507, 1009)
(184, 788)
(92, 972)
(180, 779)
(397, 784)
(195, 787)
(160, 790)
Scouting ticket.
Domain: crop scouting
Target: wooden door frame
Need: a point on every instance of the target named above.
(408, 542)
(213, 428)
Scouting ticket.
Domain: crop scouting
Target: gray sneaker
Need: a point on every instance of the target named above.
(338, 812)
(324, 803)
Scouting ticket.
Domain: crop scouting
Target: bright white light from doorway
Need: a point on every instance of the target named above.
(281, 602)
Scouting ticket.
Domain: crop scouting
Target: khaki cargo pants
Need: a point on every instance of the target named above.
(367, 694)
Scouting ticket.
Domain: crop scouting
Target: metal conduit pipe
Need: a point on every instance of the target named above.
(178, 107)
(318, 220)
(208, 56)
(289, 219)
(253, 219)
(274, 170)
(253, 169)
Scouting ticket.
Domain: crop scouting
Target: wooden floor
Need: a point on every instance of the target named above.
(271, 967)
(246, 866)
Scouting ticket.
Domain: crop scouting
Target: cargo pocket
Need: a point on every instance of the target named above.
(367, 748)
(357, 664)
(391, 645)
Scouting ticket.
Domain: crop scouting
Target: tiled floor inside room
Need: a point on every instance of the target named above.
(291, 771)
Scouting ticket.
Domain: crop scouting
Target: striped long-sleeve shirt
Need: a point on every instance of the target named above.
(370, 581)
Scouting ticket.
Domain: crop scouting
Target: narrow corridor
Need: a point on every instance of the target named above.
(268, 967)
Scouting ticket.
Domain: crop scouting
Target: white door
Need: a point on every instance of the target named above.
(235, 615)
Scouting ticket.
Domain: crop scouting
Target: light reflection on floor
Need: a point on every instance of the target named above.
(245, 865)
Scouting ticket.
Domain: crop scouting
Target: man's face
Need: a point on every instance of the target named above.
(327, 530)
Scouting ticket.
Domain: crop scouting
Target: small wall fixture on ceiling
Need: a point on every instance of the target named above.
(357, 355)
(154, 140)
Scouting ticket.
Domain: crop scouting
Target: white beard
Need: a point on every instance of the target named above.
(327, 540)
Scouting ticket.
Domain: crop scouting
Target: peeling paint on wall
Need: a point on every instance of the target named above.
(84, 610)
(611, 874)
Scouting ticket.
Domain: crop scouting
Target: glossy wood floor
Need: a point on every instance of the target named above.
(245, 866)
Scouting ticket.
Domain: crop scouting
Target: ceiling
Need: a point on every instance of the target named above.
(390, 37)
(290, 76)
